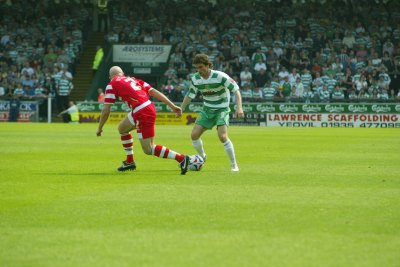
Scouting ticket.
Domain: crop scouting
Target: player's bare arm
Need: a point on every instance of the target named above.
(163, 98)
(186, 101)
(239, 108)
(105, 113)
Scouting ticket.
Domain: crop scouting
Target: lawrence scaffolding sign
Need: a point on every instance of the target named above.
(334, 120)
(335, 115)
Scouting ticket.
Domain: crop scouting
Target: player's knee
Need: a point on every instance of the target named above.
(121, 130)
(223, 138)
(195, 136)
(125, 127)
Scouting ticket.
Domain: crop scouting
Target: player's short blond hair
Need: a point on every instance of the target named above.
(115, 70)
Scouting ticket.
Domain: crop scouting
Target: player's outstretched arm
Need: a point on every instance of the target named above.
(163, 98)
(239, 108)
(105, 113)
(186, 101)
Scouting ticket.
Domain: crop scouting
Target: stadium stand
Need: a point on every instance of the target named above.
(353, 46)
(321, 39)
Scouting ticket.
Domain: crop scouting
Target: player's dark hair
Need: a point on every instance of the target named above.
(202, 59)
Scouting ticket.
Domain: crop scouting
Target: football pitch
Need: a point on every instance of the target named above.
(303, 197)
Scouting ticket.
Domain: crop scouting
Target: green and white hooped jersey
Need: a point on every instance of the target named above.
(216, 90)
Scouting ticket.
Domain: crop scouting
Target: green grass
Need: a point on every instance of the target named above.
(303, 197)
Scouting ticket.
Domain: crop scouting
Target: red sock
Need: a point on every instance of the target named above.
(165, 152)
(179, 157)
(127, 144)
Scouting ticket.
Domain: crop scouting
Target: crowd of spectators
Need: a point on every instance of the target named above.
(316, 50)
(40, 44)
(298, 50)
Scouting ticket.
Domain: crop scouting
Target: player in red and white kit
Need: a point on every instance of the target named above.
(136, 93)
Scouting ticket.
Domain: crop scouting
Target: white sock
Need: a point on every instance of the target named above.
(198, 145)
(230, 151)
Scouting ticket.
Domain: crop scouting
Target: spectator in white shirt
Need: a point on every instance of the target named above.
(260, 65)
(283, 73)
(293, 76)
(245, 76)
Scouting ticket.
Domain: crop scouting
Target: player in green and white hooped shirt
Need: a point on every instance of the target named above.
(216, 88)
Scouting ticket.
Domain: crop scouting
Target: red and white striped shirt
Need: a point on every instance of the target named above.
(130, 90)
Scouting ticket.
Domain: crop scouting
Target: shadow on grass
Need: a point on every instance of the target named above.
(77, 173)
(140, 173)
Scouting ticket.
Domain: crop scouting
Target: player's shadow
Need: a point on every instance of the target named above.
(77, 173)
(141, 173)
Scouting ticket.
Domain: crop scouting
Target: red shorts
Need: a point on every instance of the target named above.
(144, 121)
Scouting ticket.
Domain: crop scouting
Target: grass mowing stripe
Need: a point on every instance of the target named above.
(303, 197)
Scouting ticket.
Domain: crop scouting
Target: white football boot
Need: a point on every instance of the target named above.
(234, 167)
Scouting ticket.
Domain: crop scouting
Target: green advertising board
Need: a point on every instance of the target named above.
(369, 108)
(323, 108)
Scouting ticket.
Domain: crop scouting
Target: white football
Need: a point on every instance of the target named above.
(196, 163)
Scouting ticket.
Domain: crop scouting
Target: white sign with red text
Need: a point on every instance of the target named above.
(333, 120)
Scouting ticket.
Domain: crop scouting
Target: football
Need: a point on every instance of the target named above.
(196, 163)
